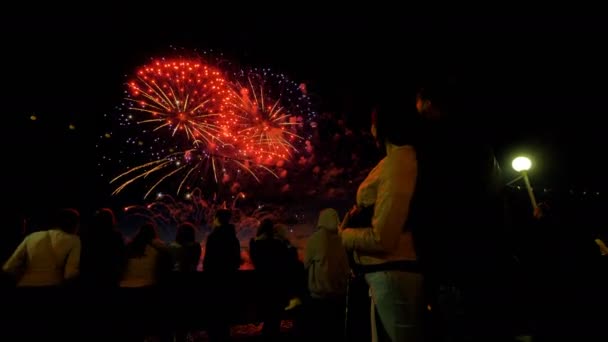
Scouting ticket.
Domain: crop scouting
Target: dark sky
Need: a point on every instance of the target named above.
(541, 81)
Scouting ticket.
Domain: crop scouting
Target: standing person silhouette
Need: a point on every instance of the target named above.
(458, 216)
(221, 263)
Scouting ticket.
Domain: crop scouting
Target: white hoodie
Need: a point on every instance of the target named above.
(325, 258)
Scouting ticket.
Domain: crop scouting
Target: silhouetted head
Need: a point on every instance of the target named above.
(266, 227)
(186, 233)
(328, 220)
(443, 98)
(394, 120)
(144, 236)
(222, 217)
(103, 220)
(281, 231)
(147, 232)
(67, 220)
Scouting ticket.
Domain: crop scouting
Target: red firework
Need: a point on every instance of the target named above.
(253, 122)
(184, 95)
(269, 125)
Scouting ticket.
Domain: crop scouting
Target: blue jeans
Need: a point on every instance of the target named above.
(397, 306)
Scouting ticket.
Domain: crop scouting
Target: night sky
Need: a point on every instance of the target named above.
(541, 81)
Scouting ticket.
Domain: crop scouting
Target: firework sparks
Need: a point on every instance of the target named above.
(189, 165)
(181, 95)
(270, 116)
(187, 125)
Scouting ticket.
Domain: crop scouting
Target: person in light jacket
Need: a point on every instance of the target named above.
(385, 250)
(327, 267)
(48, 258)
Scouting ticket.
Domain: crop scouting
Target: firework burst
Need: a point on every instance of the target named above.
(181, 95)
(189, 125)
(271, 114)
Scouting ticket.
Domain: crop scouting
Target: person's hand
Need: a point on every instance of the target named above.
(344, 224)
(354, 210)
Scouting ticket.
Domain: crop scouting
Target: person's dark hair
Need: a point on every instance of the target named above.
(395, 118)
(103, 220)
(458, 113)
(66, 219)
(186, 233)
(448, 94)
(266, 227)
(224, 216)
(145, 235)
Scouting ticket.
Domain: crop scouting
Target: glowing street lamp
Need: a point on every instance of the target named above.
(522, 165)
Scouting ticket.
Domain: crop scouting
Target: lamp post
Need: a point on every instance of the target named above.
(522, 165)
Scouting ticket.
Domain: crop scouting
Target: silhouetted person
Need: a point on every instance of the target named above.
(270, 257)
(457, 217)
(327, 266)
(222, 261)
(146, 259)
(185, 256)
(295, 269)
(223, 249)
(185, 250)
(103, 256)
(571, 279)
(147, 268)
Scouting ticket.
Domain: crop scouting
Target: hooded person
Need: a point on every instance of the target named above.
(327, 267)
(325, 258)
